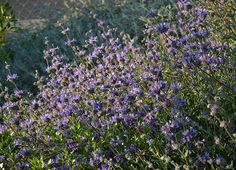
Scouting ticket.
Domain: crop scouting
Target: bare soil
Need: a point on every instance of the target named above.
(38, 9)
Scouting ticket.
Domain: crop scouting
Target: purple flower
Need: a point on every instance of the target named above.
(200, 12)
(109, 154)
(179, 102)
(34, 105)
(1, 158)
(120, 158)
(176, 86)
(169, 128)
(199, 144)
(132, 148)
(202, 34)
(91, 89)
(153, 13)
(23, 153)
(64, 167)
(188, 135)
(46, 117)
(12, 77)
(104, 166)
(101, 23)
(3, 128)
(204, 157)
(163, 27)
(234, 88)
(57, 158)
(9, 105)
(62, 123)
(219, 160)
(18, 93)
(116, 142)
(72, 42)
(27, 123)
(187, 5)
(92, 40)
(96, 158)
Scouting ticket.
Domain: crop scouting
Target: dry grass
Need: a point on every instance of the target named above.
(37, 9)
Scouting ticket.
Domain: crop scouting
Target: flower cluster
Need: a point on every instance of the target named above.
(119, 104)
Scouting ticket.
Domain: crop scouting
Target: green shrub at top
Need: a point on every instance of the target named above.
(7, 23)
(7, 20)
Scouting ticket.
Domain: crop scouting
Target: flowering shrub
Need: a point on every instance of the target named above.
(24, 51)
(169, 104)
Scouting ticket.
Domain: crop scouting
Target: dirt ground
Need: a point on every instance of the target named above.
(38, 9)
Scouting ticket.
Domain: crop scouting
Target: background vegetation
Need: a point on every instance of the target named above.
(27, 46)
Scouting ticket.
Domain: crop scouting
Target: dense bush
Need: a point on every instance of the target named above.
(169, 103)
(82, 18)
